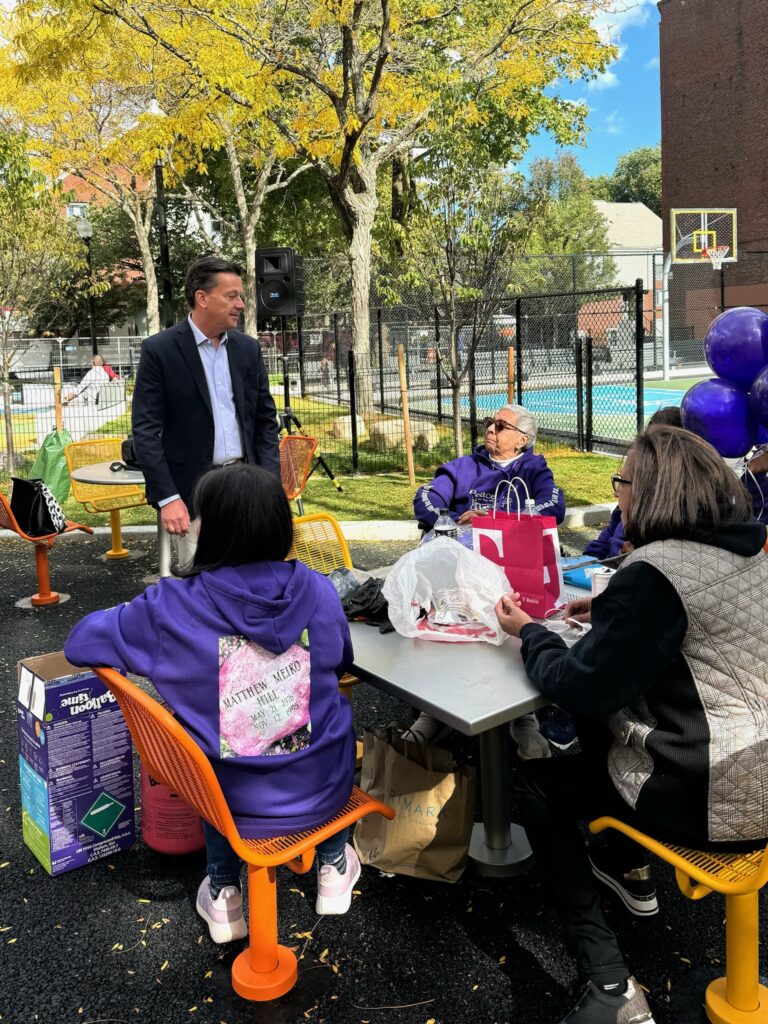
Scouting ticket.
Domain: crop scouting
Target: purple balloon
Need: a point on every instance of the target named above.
(736, 345)
(719, 412)
(758, 397)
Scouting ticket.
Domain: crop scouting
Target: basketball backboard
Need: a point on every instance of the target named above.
(694, 231)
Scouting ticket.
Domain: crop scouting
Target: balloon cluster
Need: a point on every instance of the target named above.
(731, 410)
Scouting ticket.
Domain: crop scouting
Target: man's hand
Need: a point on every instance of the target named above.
(466, 517)
(511, 616)
(580, 609)
(175, 517)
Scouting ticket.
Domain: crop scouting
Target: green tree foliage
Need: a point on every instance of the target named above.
(637, 179)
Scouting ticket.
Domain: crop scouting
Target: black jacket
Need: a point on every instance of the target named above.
(173, 429)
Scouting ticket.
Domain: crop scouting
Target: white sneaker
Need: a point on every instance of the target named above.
(426, 729)
(223, 915)
(334, 890)
(530, 743)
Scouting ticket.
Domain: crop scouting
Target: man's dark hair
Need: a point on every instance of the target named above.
(680, 488)
(668, 416)
(244, 517)
(202, 273)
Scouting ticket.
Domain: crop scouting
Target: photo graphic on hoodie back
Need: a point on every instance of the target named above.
(263, 699)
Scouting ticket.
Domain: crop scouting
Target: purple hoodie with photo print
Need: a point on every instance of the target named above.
(470, 482)
(249, 658)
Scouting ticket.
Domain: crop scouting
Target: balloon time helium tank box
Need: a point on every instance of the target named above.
(75, 765)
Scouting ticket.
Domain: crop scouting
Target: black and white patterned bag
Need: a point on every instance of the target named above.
(35, 508)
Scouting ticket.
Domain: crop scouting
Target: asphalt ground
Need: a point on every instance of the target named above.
(119, 941)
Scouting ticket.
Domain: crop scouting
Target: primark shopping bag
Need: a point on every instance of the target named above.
(434, 808)
(527, 547)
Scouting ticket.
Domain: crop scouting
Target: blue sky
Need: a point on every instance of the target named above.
(624, 103)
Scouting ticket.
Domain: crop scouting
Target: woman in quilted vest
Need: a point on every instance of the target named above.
(669, 697)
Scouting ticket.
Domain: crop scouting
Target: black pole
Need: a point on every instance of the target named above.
(286, 378)
(91, 300)
(722, 288)
(166, 286)
(473, 385)
(639, 340)
(380, 343)
(438, 367)
(300, 338)
(588, 442)
(336, 356)
(579, 357)
(353, 410)
(519, 349)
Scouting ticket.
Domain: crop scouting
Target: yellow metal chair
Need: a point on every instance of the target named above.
(265, 970)
(296, 452)
(97, 498)
(320, 544)
(738, 998)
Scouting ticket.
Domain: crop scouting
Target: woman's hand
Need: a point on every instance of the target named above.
(580, 609)
(466, 517)
(511, 616)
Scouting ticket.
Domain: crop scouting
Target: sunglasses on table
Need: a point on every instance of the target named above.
(499, 425)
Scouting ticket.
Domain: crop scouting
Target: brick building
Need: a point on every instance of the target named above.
(714, 139)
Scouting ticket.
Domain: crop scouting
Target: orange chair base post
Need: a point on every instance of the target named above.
(44, 595)
(117, 550)
(739, 998)
(266, 970)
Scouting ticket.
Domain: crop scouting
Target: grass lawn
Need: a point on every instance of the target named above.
(677, 383)
(584, 478)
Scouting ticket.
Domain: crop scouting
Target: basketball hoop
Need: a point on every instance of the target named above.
(717, 254)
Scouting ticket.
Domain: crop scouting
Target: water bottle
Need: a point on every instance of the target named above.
(445, 526)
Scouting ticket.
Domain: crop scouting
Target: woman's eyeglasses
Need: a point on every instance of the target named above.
(499, 425)
(617, 480)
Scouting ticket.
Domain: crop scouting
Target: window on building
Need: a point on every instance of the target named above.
(77, 210)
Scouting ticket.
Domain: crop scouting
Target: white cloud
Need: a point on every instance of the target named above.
(613, 123)
(652, 64)
(608, 80)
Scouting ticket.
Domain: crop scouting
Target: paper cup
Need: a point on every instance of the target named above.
(600, 580)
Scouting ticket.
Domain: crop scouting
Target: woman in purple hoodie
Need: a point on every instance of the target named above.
(466, 486)
(247, 649)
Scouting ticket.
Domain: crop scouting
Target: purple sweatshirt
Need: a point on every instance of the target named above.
(228, 652)
(471, 481)
(611, 539)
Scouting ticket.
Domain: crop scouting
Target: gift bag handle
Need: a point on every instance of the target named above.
(529, 503)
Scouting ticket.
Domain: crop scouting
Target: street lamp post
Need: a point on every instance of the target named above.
(85, 230)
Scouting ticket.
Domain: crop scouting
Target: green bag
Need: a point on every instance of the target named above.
(51, 466)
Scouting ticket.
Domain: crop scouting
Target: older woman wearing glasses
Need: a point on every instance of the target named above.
(467, 486)
(669, 694)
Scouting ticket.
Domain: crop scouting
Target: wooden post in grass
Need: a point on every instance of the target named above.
(511, 375)
(57, 396)
(406, 419)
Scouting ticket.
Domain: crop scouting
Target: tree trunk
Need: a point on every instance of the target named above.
(363, 211)
(249, 290)
(153, 305)
(456, 379)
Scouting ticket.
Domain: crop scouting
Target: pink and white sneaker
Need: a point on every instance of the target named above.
(334, 890)
(223, 915)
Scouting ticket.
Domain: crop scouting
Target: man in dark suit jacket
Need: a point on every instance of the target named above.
(202, 395)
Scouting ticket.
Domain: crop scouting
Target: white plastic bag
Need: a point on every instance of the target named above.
(457, 588)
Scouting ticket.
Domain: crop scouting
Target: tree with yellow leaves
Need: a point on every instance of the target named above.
(350, 84)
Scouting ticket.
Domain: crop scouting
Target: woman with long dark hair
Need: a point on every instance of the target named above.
(668, 692)
(247, 649)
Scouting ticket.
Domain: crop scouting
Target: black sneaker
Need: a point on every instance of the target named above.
(635, 888)
(598, 1007)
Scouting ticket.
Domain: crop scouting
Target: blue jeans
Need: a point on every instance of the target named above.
(224, 865)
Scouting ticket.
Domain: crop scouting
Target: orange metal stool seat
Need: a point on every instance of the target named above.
(296, 452)
(44, 595)
(738, 998)
(265, 970)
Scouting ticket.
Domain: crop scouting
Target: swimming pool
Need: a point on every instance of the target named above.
(607, 400)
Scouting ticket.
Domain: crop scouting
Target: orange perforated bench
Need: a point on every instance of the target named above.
(265, 970)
